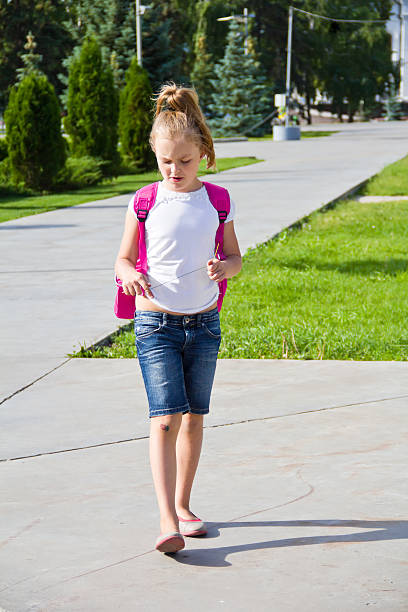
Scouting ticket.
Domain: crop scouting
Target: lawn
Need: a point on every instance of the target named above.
(13, 206)
(393, 180)
(334, 288)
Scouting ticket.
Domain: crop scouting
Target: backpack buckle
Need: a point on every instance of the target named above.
(222, 216)
(142, 214)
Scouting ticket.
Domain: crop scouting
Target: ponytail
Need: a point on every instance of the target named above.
(178, 113)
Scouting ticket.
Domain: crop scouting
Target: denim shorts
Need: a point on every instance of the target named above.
(177, 356)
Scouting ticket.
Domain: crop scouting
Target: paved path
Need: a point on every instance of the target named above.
(303, 475)
(302, 482)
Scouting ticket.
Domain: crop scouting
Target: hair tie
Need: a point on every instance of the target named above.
(166, 107)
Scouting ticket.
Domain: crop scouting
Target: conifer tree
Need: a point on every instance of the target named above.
(135, 117)
(35, 144)
(31, 59)
(241, 95)
(162, 56)
(203, 69)
(92, 107)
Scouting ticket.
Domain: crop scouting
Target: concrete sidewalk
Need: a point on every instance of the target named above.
(302, 480)
(302, 483)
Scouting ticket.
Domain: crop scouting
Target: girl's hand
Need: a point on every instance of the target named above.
(134, 282)
(216, 270)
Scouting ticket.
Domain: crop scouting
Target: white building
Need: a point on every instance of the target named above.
(398, 28)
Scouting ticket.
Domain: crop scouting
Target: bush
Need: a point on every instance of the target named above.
(3, 149)
(135, 119)
(92, 108)
(80, 172)
(35, 144)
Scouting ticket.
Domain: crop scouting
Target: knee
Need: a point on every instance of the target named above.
(192, 422)
(167, 424)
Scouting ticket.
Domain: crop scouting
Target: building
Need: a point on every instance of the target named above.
(397, 26)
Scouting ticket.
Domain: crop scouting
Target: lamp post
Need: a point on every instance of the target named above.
(139, 10)
(242, 19)
(288, 64)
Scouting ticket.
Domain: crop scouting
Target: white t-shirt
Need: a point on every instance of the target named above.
(180, 239)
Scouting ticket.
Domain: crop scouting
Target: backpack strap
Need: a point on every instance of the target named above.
(142, 203)
(220, 199)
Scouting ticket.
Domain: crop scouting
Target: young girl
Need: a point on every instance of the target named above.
(177, 324)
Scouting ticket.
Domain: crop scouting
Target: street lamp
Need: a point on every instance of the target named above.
(242, 19)
(139, 10)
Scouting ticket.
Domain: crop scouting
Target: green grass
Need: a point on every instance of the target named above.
(393, 180)
(314, 134)
(14, 205)
(335, 288)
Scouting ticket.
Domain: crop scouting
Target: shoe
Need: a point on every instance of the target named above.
(170, 542)
(192, 527)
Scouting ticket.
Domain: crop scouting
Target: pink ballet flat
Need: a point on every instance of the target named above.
(170, 542)
(192, 527)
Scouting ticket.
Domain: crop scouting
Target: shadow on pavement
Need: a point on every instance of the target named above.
(216, 557)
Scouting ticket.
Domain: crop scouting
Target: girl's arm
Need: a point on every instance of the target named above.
(132, 280)
(229, 267)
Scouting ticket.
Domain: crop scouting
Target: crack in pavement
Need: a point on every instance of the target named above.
(116, 563)
(279, 416)
(34, 381)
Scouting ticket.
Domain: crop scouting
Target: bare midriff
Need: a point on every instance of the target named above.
(143, 303)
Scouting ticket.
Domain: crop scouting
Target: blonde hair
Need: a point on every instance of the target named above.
(178, 113)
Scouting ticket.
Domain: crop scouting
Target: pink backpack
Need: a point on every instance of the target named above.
(144, 200)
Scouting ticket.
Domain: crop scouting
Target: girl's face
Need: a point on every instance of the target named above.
(178, 161)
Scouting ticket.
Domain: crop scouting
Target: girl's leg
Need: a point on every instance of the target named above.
(163, 436)
(188, 449)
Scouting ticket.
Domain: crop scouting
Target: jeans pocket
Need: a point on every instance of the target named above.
(144, 329)
(212, 329)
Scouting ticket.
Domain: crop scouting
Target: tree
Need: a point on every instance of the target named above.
(203, 69)
(92, 107)
(31, 60)
(354, 63)
(241, 97)
(35, 144)
(135, 117)
(45, 19)
(112, 24)
(162, 52)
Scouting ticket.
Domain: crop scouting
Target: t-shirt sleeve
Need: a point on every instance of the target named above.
(231, 212)
(131, 207)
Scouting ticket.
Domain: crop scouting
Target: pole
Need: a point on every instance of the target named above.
(138, 33)
(246, 31)
(288, 60)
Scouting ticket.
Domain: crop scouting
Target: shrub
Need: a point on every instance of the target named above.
(3, 149)
(135, 118)
(35, 144)
(92, 108)
(81, 172)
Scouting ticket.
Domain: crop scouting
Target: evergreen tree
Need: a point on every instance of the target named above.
(92, 107)
(46, 21)
(203, 69)
(31, 59)
(35, 144)
(392, 106)
(112, 25)
(241, 96)
(162, 56)
(135, 117)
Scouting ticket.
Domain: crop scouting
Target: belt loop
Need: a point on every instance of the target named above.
(164, 318)
(199, 317)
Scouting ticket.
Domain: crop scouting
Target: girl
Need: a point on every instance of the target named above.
(177, 324)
